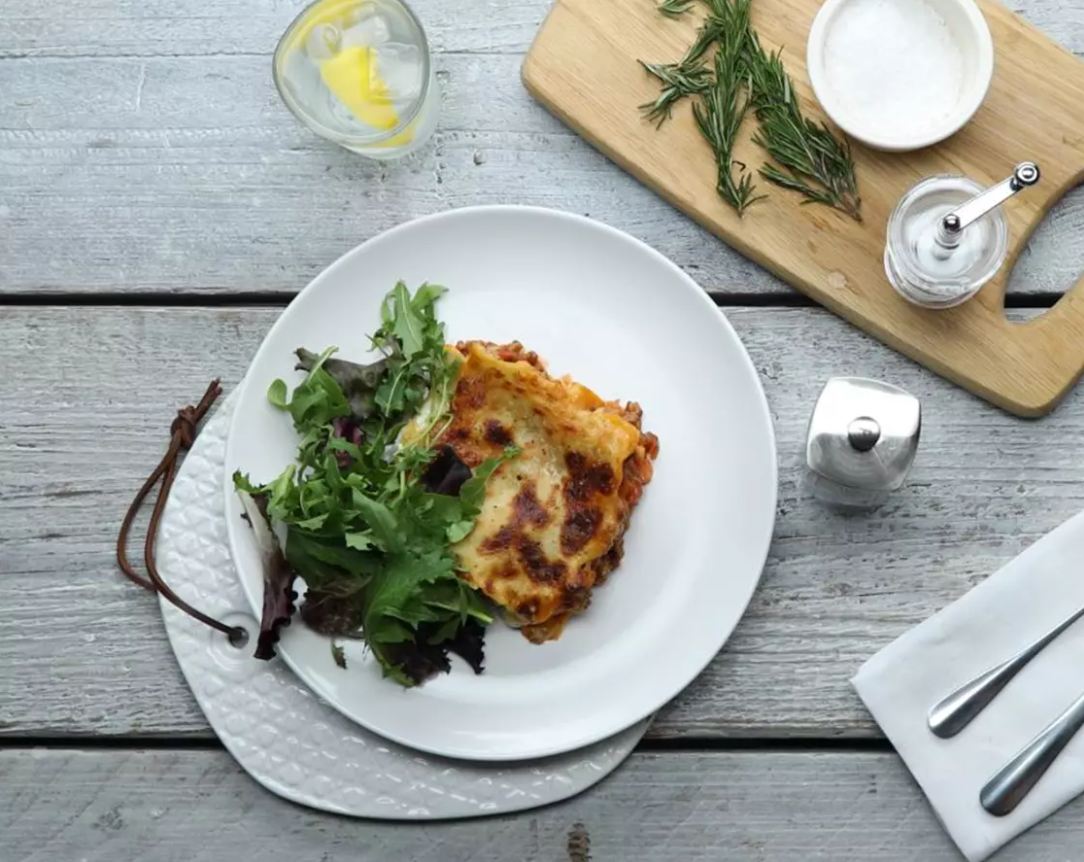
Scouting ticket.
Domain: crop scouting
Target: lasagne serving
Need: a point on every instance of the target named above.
(555, 517)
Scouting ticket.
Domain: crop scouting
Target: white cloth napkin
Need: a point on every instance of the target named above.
(1009, 610)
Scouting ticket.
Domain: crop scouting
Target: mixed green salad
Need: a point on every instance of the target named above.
(366, 520)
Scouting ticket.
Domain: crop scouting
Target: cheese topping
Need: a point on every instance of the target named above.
(554, 516)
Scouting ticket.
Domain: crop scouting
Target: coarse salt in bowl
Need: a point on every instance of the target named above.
(900, 74)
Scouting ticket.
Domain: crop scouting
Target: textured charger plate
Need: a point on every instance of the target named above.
(285, 737)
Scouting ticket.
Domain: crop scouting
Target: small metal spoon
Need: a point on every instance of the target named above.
(1015, 780)
(951, 715)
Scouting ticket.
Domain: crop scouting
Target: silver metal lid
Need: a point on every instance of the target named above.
(863, 433)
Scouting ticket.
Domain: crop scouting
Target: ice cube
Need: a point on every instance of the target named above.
(323, 42)
(302, 78)
(366, 33)
(400, 66)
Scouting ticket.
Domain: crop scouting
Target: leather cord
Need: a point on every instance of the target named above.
(183, 433)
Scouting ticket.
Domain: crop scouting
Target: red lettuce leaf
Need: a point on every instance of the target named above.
(278, 589)
(358, 382)
(421, 660)
(332, 615)
(446, 473)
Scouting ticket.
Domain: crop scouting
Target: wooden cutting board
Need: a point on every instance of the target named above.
(582, 66)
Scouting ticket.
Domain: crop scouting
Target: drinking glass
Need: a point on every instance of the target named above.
(358, 72)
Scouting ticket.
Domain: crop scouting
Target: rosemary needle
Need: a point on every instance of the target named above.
(675, 8)
(708, 33)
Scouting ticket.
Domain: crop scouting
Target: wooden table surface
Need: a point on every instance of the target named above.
(158, 207)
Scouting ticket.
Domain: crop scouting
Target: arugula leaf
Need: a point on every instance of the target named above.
(276, 393)
(459, 530)
(391, 397)
(473, 492)
(385, 527)
(408, 322)
(461, 599)
(327, 558)
(317, 401)
(424, 301)
(395, 592)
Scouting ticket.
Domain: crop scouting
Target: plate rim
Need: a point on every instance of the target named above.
(761, 544)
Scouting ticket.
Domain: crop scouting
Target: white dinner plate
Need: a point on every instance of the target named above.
(622, 319)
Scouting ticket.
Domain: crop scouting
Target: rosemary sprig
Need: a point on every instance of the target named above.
(679, 80)
(808, 158)
(724, 107)
(687, 77)
(813, 161)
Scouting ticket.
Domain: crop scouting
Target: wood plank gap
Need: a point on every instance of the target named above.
(112, 743)
(691, 745)
(835, 745)
(270, 299)
(795, 300)
(245, 299)
(261, 299)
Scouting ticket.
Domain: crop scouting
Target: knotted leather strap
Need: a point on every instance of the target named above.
(183, 433)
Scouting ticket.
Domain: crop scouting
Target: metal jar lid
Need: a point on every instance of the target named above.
(863, 434)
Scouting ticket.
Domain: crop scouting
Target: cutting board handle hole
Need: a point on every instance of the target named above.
(1053, 260)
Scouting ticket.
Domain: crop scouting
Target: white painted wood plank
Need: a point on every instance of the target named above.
(88, 393)
(143, 148)
(162, 28)
(187, 174)
(125, 28)
(196, 806)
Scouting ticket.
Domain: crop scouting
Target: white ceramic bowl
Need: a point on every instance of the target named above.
(968, 32)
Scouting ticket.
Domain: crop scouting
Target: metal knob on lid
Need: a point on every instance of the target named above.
(861, 442)
(863, 433)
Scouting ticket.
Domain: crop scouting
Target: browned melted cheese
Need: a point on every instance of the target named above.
(552, 525)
